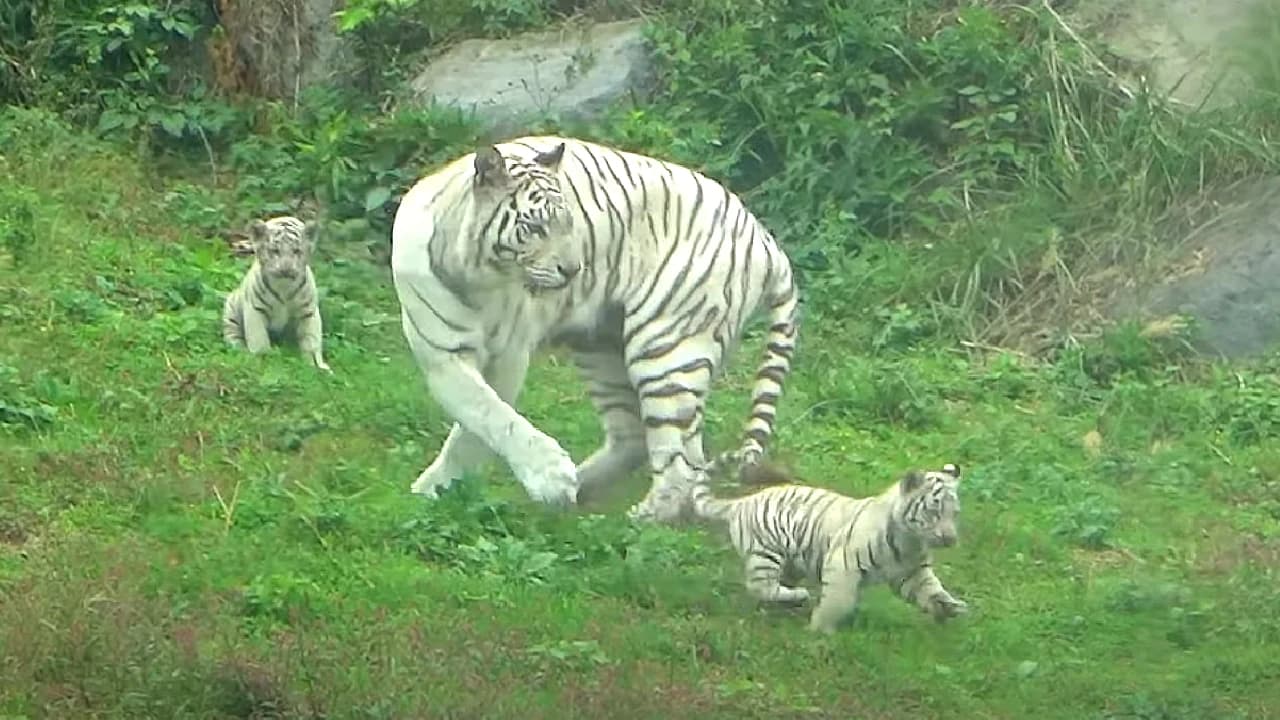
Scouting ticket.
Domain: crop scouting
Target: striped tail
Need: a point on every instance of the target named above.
(779, 347)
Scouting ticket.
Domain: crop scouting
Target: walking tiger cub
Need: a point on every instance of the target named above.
(277, 296)
(789, 531)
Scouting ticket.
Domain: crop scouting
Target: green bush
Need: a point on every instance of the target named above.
(982, 130)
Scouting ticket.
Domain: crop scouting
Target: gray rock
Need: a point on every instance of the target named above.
(1182, 47)
(1232, 287)
(570, 74)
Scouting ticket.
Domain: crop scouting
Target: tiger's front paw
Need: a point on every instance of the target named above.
(946, 607)
(549, 475)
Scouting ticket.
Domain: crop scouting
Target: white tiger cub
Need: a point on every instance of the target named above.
(277, 296)
(790, 532)
(646, 270)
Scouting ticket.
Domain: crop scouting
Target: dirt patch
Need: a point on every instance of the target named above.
(1227, 550)
(1093, 561)
(13, 531)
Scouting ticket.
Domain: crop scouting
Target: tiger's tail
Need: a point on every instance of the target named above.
(780, 345)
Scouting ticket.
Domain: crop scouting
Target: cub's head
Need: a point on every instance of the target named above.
(282, 246)
(525, 223)
(929, 505)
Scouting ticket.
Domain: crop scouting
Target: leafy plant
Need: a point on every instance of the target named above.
(20, 408)
(17, 222)
(1088, 523)
(1250, 408)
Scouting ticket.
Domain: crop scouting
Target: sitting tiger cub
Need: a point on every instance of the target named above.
(844, 543)
(278, 294)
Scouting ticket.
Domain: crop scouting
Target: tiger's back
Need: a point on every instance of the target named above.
(797, 523)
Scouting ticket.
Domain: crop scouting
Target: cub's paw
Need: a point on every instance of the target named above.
(946, 607)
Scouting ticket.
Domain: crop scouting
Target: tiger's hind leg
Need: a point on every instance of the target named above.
(764, 581)
(615, 400)
(672, 388)
(840, 591)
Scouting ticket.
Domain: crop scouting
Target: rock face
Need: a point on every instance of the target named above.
(1182, 47)
(569, 74)
(1231, 283)
(1226, 273)
(285, 47)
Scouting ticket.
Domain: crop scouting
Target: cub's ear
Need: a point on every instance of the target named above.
(911, 482)
(952, 469)
(258, 232)
(310, 230)
(257, 229)
(551, 158)
(491, 169)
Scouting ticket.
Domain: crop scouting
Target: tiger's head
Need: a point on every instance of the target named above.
(929, 504)
(530, 227)
(282, 246)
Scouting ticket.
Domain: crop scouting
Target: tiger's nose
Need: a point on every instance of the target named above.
(569, 269)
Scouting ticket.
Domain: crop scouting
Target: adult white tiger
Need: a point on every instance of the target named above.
(647, 270)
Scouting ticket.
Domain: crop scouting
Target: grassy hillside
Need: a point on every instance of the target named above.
(190, 532)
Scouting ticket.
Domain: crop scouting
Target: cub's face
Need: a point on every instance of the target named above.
(529, 226)
(282, 246)
(930, 505)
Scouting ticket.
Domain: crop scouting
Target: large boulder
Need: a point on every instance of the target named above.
(570, 74)
(1228, 275)
(1183, 48)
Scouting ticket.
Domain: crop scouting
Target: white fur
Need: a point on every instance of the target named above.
(472, 324)
(789, 532)
(265, 303)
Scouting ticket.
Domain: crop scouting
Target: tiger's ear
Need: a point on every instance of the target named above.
(952, 469)
(911, 482)
(258, 232)
(491, 169)
(551, 158)
(310, 232)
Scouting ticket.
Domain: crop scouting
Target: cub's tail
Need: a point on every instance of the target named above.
(759, 474)
(708, 507)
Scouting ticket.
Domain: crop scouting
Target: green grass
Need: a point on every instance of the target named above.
(187, 531)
